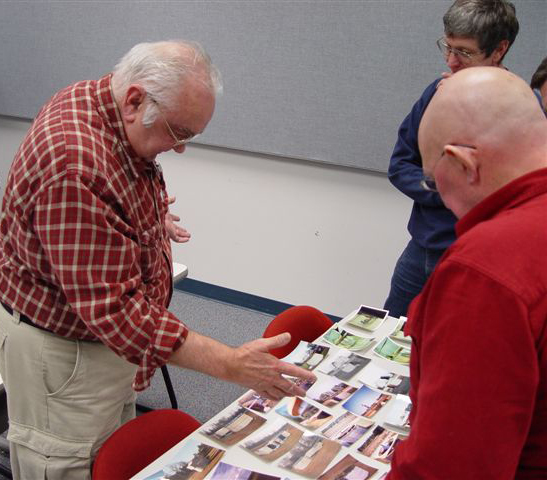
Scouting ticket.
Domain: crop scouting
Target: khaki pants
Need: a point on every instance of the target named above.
(65, 397)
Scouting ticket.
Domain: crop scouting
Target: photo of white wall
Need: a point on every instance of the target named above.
(347, 429)
(234, 426)
(344, 365)
(384, 380)
(310, 456)
(307, 355)
(274, 440)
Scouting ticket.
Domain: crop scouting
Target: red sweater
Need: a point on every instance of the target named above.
(479, 352)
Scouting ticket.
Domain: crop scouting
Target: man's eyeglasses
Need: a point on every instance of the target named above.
(463, 55)
(188, 135)
(428, 183)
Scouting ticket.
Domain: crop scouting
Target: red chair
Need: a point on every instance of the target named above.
(140, 441)
(302, 322)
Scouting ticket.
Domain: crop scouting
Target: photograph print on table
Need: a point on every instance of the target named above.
(366, 402)
(234, 426)
(256, 402)
(193, 461)
(310, 456)
(330, 391)
(380, 444)
(398, 334)
(225, 471)
(398, 414)
(393, 352)
(304, 384)
(349, 468)
(344, 366)
(307, 355)
(368, 318)
(274, 440)
(304, 413)
(384, 380)
(347, 429)
(342, 338)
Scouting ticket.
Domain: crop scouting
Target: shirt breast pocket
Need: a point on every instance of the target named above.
(151, 253)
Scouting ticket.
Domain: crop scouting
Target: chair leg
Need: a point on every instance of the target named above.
(169, 386)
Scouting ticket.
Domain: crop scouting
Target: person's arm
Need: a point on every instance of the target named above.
(249, 365)
(405, 167)
(474, 378)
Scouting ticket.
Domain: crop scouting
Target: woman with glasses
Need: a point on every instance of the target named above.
(476, 33)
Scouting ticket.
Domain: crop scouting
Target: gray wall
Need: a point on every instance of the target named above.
(326, 81)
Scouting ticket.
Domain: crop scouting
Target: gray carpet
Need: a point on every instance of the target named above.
(197, 394)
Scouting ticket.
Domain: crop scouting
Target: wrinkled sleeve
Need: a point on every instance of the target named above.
(94, 256)
(405, 166)
(478, 377)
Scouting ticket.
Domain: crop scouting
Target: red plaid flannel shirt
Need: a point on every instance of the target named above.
(83, 246)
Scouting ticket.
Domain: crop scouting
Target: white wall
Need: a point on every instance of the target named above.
(285, 229)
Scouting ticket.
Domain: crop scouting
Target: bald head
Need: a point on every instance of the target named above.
(483, 128)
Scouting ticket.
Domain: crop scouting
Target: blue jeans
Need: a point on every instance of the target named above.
(411, 272)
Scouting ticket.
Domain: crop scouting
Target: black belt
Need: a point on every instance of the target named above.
(24, 318)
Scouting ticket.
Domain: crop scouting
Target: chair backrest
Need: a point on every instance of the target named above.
(302, 322)
(140, 441)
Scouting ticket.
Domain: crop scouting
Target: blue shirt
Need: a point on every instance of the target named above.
(431, 224)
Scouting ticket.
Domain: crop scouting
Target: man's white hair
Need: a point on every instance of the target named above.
(162, 68)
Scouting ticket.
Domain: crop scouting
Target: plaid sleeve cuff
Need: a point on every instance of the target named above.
(169, 338)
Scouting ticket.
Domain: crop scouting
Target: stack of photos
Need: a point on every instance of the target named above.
(398, 334)
(274, 440)
(193, 461)
(368, 318)
(256, 402)
(344, 366)
(330, 391)
(384, 380)
(234, 426)
(399, 413)
(310, 456)
(366, 402)
(347, 429)
(304, 413)
(225, 471)
(392, 351)
(349, 469)
(307, 355)
(342, 338)
(380, 444)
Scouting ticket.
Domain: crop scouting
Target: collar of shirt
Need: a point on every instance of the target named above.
(509, 196)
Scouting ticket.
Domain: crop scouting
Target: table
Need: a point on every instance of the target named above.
(237, 455)
(179, 271)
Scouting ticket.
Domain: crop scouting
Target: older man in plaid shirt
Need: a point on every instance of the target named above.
(85, 262)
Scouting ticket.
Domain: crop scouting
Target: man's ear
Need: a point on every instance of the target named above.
(500, 51)
(466, 159)
(132, 102)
